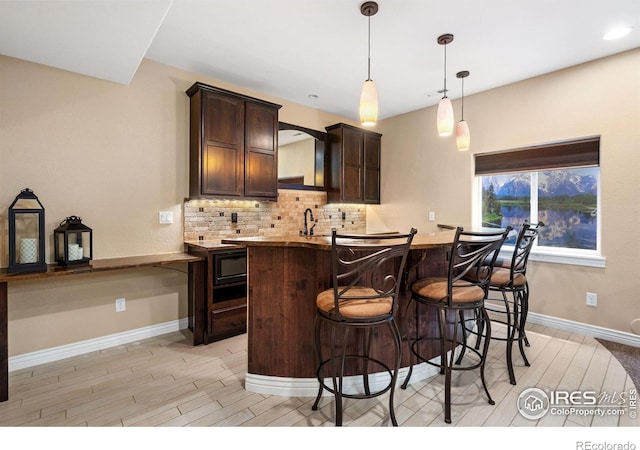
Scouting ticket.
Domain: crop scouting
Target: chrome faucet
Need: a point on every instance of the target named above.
(306, 231)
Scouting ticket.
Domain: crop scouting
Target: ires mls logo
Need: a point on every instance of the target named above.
(534, 403)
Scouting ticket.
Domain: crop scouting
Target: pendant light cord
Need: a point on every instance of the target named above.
(462, 75)
(462, 101)
(445, 71)
(369, 53)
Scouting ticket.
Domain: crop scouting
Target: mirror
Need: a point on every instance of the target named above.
(301, 157)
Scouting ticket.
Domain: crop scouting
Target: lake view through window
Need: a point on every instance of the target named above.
(566, 200)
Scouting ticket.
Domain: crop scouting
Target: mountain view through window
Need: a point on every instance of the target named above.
(566, 200)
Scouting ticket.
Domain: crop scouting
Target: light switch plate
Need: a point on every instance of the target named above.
(166, 217)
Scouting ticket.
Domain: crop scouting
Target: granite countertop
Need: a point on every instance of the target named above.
(420, 241)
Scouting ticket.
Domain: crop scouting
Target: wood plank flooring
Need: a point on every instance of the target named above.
(165, 382)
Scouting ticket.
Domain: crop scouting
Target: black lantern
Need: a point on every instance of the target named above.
(26, 234)
(72, 242)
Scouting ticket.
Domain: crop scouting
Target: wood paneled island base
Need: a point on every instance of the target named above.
(284, 277)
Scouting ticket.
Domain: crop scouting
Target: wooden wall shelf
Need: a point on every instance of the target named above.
(101, 265)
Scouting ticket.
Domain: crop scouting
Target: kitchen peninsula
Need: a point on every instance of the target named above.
(284, 275)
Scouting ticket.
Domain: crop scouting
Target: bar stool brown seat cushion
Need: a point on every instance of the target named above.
(502, 277)
(435, 290)
(356, 307)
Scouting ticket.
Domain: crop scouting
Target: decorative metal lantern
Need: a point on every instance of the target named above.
(26, 234)
(73, 242)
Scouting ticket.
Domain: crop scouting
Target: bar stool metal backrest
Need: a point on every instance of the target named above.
(522, 249)
(366, 277)
(468, 260)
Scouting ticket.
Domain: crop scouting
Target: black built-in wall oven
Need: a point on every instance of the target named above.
(229, 267)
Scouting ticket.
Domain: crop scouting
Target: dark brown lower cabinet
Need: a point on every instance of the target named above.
(225, 313)
(228, 312)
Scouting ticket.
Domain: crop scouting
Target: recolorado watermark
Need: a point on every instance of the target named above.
(535, 403)
(589, 445)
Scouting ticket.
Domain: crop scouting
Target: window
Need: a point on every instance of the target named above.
(558, 184)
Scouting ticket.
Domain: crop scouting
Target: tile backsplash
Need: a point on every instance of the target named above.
(211, 220)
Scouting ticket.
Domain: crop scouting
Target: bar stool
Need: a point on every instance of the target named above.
(457, 297)
(366, 277)
(509, 277)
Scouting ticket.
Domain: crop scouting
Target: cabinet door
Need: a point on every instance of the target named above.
(261, 147)
(353, 165)
(371, 168)
(223, 145)
(352, 175)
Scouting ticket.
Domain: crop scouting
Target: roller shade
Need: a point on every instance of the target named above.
(577, 153)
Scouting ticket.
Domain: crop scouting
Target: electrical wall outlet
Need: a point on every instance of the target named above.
(432, 216)
(592, 299)
(120, 304)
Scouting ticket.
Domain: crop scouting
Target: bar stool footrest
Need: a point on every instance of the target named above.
(377, 375)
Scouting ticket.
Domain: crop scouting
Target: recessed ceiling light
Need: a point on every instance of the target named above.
(434, 93)
(617, 33)
(312, 96)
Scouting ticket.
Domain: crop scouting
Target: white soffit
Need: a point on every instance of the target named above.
(104, 39)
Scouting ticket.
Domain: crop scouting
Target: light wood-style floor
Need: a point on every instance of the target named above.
(166, 382)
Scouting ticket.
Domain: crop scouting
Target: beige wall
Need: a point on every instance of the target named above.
(117, 155)
(114, 155)
(298, 159)
(423, 172)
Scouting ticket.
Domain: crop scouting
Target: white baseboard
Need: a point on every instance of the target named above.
(308, 387)
(585, 329)
(79, 348)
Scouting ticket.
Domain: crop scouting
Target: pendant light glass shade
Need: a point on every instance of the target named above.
(369, 94)
(369, 104)
(445, 117)
(463, 138)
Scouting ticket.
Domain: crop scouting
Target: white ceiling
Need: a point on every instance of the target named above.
(293, 48)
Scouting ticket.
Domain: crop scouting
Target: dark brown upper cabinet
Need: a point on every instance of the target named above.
(354, 165)
(233, 145)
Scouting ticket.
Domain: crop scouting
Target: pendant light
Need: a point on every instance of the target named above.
(369, 94)
(463, 138)
(445, 109)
